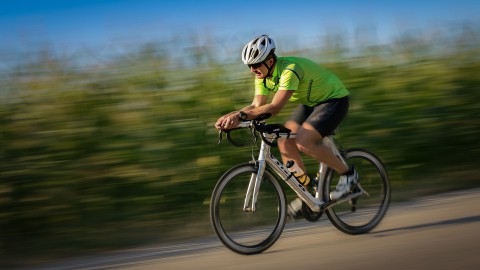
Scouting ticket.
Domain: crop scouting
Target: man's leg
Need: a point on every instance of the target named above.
(289, 151)
(288, 147)
(309, 141)
(323, 119)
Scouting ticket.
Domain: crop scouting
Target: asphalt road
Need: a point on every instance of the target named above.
(437, 232)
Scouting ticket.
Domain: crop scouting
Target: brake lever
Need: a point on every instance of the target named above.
(254, 135)
(220, 136)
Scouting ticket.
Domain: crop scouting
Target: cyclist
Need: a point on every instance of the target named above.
(323, 104)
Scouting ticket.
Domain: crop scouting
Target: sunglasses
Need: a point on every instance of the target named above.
(255, 66)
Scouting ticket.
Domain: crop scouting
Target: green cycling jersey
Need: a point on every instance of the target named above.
(311, 82)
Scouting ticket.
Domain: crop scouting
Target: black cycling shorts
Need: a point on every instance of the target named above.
(325, 117)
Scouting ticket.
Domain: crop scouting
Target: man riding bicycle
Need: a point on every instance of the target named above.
(323, 104)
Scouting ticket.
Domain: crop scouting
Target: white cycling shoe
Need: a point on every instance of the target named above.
(294, 208)
(344, 185)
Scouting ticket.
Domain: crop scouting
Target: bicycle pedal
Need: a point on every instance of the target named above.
(353, 204)
(353, 201)
(354, 189)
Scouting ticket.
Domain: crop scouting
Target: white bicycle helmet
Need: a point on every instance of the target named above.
(257, 50)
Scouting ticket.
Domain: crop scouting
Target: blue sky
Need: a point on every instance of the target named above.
(72, 23)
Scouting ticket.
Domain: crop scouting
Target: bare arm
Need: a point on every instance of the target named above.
(257, 108)
(278, 102)
(258, 100)
(231, 120)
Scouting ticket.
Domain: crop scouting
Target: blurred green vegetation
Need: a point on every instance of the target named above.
(125, 152)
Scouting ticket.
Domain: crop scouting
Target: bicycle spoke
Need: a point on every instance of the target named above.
(242, 231)
(369, 208)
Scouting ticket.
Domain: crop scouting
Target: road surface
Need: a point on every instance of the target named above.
(437, 232)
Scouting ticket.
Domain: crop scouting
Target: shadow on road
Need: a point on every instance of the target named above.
(455, 221)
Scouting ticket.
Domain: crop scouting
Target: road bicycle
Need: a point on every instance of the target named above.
(248, 207)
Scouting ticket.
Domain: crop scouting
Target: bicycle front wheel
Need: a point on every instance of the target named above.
(361, 214)
(246, 231)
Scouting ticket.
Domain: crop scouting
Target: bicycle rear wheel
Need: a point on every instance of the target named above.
(363, 213)
(247, 232)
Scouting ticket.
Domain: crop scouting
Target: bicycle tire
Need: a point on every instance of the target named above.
(242, 231)
(365, 212)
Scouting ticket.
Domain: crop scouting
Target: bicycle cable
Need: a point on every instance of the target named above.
(254, 144)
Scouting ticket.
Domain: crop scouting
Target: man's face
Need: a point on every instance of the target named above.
(260, 70)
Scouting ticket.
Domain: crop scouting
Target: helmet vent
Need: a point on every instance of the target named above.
(257, 50)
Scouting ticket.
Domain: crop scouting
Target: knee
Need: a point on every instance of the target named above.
(307, 142)
(304, 144)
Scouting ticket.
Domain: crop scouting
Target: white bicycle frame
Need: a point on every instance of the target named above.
(265, 158)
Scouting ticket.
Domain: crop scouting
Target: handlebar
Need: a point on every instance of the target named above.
(258, 125)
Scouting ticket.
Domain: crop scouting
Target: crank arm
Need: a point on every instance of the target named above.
(344, 199)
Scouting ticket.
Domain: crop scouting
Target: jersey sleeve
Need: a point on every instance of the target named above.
(260, 88)
(290, 78)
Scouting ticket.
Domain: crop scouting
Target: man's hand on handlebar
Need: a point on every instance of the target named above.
(228, 121)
